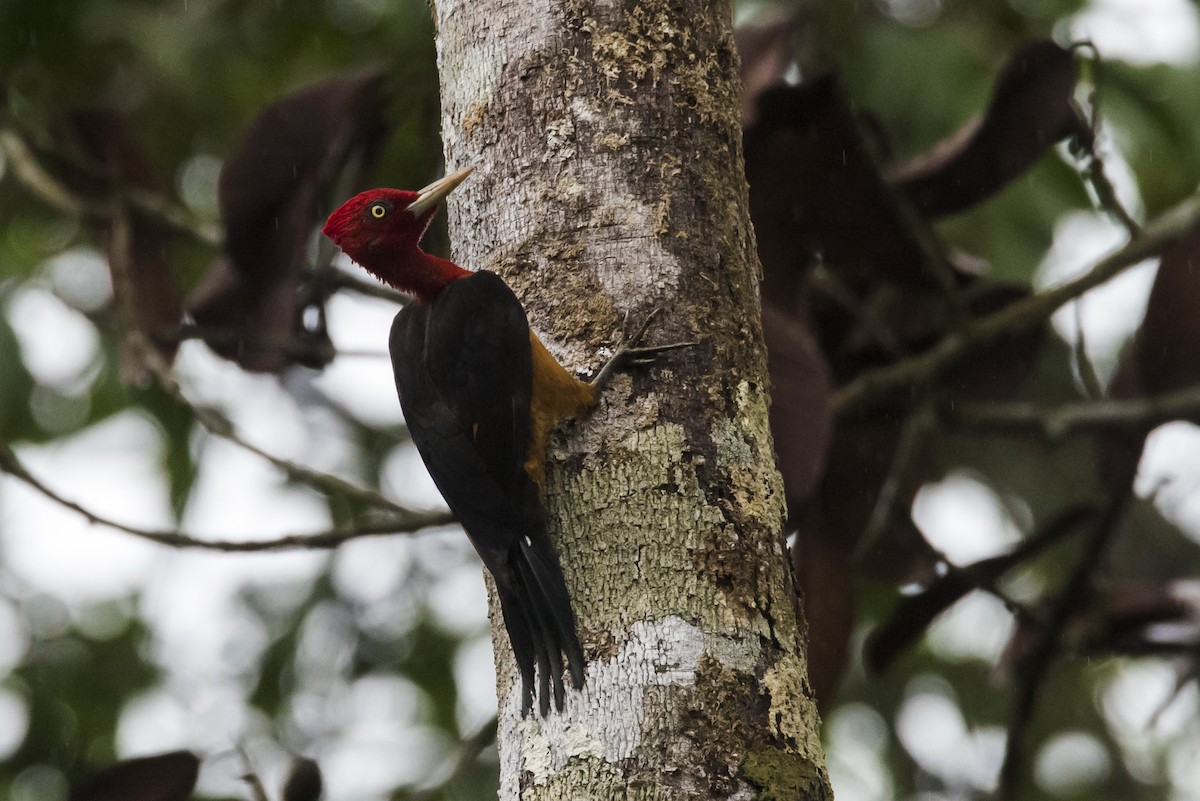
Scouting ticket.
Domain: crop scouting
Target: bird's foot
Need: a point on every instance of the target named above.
(629, 354)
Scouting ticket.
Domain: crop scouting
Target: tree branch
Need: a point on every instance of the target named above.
(880, 384)
(371, 289)
(1056, 422)
(50, 190)
(916, 426)
(218, 424)
(406, 523)
(1091, 165)
(1074, 593)
(116, 211)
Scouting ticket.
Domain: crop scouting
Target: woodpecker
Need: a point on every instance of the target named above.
(480, 393)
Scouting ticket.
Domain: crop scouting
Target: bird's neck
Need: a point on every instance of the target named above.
(421, 274)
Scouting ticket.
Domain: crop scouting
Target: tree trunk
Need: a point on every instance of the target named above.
(609, 184)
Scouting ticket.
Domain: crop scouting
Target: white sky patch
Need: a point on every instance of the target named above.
(977, 627)
(383, 744)
(151, 722)
(475, 675)
(14, 721)
(856, 754)
(1137, 701)
(405, 480)
(190, 602)
(458, 602)
(964, 519)
(58, 344)
(80, 277)
(362, 383)
(1111, 312)
(1071, 762)
(1182, 760)
(1147, 716)
(933, 731)
(261, 410)
(239, 496)
(112, 469)
(1170, 474)
(369, 570)
(1140, 31)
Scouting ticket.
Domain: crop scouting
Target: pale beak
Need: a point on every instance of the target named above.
(433, 194)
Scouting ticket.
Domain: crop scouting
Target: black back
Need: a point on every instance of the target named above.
(464, 373)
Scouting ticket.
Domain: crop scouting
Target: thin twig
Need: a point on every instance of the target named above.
(290, 344)
(880, 384)
(250, 776)
(1093, 387)
(408, 523)
(50, 190)
(914, 613)
(1084, 146)
(1056, 422)
(371, 289)
(221, 426)
(915, 427)
(825, 281)
(1073, 594)
(468, 751)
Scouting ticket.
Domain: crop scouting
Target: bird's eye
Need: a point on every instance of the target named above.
(378, 210)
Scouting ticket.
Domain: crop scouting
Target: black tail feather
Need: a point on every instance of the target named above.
(524, 642)
(541, 626)
(550, 664)
(548, 578)
(543, 671)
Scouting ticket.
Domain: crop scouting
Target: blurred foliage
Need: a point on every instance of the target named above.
(190, 75)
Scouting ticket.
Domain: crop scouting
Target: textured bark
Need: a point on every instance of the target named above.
(610, 183)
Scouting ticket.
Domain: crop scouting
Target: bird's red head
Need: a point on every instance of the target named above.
(381, 229)
(377, 223)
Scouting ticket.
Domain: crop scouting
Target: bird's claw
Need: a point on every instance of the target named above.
(628, 354)
(628, 341)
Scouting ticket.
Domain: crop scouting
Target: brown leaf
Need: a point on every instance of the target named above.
(825, 579)
(162, 777)
(829, 527)
(1165, 355)
(817, 198)
(765, 49)
(145, 296)
(815, 191)
(800, 416)
(801, 425)
(1167, 346)
(860, 461)
(1029, 112)
(304, 782)
(270, 191)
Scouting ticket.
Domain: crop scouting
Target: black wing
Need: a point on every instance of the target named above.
(464, 374)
